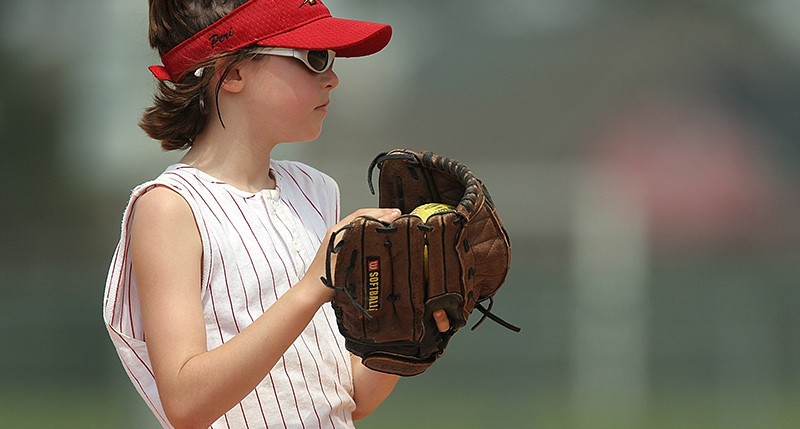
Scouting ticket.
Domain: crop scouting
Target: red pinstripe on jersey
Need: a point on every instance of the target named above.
(255, 246)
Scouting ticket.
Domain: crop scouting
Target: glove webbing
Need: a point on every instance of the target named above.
(432, 161)
(458, 170)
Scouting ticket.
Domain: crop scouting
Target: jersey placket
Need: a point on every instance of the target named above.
(292, 236)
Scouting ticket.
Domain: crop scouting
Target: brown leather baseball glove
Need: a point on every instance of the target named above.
(390, 277)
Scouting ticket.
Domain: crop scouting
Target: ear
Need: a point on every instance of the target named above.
(233, 82)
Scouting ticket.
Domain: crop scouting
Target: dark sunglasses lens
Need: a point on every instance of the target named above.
(318, 60)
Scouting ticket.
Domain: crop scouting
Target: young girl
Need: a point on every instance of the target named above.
(214, 300)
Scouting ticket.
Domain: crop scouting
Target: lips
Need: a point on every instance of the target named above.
(323, 106)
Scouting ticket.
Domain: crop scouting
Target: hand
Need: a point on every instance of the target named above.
(386, 215)
(317, 268)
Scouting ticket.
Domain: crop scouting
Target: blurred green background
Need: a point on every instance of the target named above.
(643, 155)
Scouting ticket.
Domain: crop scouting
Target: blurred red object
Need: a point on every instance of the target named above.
(699, 170)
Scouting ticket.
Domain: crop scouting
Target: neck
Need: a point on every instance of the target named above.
(233, 158)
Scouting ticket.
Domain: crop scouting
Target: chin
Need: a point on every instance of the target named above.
(308, 132)
(306, 139)
(314, 136)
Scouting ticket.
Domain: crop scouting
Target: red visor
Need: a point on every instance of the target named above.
(298, 24)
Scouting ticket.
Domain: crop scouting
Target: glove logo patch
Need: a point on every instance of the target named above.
(374, 283)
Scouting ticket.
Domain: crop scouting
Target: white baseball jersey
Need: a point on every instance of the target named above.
(255, 246)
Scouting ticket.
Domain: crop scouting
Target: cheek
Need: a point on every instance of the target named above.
(289, 99)
(291, 115)
(286, 97)
(290, 110)
(275, 102)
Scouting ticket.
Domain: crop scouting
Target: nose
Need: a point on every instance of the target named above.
(330, 79)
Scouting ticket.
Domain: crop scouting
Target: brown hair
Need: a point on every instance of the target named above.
(178, 115)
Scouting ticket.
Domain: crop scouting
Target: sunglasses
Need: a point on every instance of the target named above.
(316, 61)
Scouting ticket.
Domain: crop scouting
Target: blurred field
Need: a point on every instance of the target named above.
(417, 404)
(490, 377)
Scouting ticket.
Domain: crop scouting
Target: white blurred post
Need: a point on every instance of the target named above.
(610, 267)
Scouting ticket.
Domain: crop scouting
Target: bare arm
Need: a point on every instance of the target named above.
(373, 387)
(196, 385)
(370, 388)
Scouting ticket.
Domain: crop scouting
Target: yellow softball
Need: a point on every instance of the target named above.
(424, 212)
(427, 210)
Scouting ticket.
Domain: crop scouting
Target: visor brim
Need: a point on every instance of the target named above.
(349, 38)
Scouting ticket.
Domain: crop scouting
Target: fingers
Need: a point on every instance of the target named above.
(386, 215)
(319, 263)
(442, 322)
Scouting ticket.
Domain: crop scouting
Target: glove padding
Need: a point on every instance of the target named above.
(384, 302)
